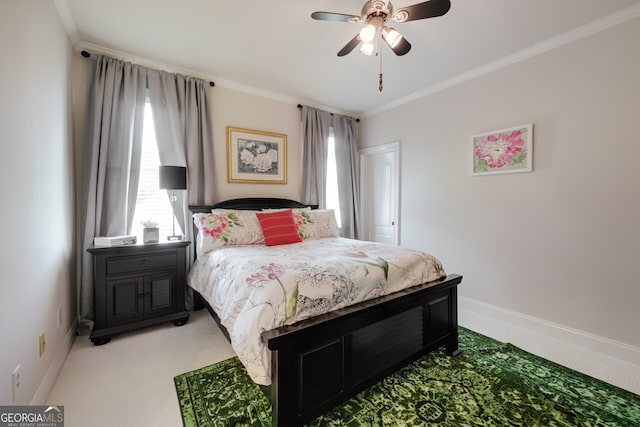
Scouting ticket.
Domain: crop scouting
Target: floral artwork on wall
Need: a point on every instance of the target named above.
(256, 157)
(503, 151)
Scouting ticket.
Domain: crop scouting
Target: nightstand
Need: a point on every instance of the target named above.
(137, 286)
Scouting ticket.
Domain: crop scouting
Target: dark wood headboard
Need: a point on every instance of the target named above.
(249, 203)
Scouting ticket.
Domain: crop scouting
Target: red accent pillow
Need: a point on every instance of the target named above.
(279, 228)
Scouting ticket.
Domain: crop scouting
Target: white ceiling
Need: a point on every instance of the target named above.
(276, 49)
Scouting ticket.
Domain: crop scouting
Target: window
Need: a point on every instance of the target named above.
(152, 203)
(333, 201)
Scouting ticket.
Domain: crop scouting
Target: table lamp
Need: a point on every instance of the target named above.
(173, 178)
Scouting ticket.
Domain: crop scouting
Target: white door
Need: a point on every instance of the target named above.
(380, 192)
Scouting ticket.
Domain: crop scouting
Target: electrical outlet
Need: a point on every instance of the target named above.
(15, 381)
(42, 344)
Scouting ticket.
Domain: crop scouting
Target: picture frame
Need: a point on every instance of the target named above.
(256, 157)
(502, 151)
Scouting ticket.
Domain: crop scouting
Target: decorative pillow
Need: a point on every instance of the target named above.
(226, 229)
(317, 223)
(278, 228)
(251, 232)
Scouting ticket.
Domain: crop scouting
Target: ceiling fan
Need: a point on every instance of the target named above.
(375, 14)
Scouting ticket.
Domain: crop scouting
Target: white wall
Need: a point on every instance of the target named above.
(243, 110)
(560, 244)
(36, 186)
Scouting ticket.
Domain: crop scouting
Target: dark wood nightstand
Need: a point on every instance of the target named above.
(137, 286)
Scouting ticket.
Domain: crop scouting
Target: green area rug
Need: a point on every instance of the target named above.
(490, 384)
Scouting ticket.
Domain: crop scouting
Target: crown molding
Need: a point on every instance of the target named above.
(547, 45)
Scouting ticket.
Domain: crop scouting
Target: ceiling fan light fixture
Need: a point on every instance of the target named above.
(367, 33)
(368, 48)
(391, 36)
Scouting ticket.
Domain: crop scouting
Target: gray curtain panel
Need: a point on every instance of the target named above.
(112, 150)
(111, 163)
(315, 139)
(182, 118)
(345, 135)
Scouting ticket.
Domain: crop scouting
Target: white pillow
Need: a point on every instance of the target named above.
(226, 228)
(251, 234)
(316, 224)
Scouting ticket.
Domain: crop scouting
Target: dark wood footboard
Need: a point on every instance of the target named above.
(321, 362)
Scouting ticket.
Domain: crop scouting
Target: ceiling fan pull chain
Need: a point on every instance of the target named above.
(380, 80)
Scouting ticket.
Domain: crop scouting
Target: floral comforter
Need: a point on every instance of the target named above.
(256, 288)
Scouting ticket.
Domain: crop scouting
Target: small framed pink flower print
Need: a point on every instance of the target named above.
(503, 151)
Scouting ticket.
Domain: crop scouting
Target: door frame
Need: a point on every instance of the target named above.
(367, 153)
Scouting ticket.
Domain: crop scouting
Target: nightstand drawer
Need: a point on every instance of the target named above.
(130, 264)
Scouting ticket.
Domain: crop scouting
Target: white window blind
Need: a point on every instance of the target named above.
(333, 201)
(152, 203)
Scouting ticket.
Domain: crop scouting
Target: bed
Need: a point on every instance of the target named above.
(318, 361)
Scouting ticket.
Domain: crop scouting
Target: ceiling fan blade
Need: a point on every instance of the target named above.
(339, 17)
(427, 9)
(350, 46)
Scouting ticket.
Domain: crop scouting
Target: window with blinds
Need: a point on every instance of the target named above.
(333, 201)
(152, 204)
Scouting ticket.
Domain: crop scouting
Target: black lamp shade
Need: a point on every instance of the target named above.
(173, 178)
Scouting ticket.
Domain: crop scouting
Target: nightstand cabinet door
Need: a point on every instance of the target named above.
(124, 300)
(138, 286)
(160, 293)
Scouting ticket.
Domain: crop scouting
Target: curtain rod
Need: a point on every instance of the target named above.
(86, 54)
(300, 108)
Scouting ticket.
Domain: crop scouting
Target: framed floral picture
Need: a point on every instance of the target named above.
(503, 151)
(256, 157)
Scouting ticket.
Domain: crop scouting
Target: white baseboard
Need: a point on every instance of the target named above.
(608, 360)
(46, 385)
